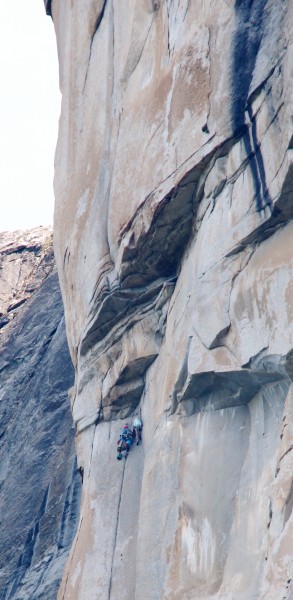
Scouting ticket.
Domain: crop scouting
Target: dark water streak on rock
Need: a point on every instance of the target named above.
(250, 23)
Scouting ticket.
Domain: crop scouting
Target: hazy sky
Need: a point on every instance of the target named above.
(30, 106)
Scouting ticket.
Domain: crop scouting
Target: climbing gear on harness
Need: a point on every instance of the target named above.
(128, 437)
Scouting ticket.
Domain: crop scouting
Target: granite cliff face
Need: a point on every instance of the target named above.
(173, 240)
(39, 483)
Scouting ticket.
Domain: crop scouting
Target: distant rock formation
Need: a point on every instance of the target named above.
(39, 483)
(26, 258)
(173, 240)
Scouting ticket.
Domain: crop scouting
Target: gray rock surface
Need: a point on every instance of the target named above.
(26, 258)
(39, 483)
(173, 239)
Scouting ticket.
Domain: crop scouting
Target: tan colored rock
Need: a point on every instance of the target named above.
(173, 238)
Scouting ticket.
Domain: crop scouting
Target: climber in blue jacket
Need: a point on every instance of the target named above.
(124, 443)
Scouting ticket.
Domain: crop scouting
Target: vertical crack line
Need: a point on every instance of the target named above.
(116, 530)
(144, 45)
(167, 7)
(210, 77)
(97, 25)
(99, 19)
(71, 558)
(187, 9)
(93, 443)
(113, 50)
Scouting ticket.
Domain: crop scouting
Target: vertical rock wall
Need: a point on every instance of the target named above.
(173, 238)
(39, 483)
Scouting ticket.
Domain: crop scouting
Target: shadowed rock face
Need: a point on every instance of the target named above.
(26, 258)
(173, 238)
(48, 7)
(40, 488)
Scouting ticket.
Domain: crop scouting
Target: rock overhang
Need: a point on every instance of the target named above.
(227, 389)
(206, 233)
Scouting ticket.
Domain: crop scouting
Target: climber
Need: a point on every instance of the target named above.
(81, 472)
(124, 442)
(137, 429)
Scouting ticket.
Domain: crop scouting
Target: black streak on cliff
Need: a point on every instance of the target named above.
(250, 24)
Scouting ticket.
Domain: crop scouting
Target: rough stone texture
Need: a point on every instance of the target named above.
(173, 238)
(26, 258)
(39, 483)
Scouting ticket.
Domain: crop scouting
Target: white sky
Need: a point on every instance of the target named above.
(29, 112)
